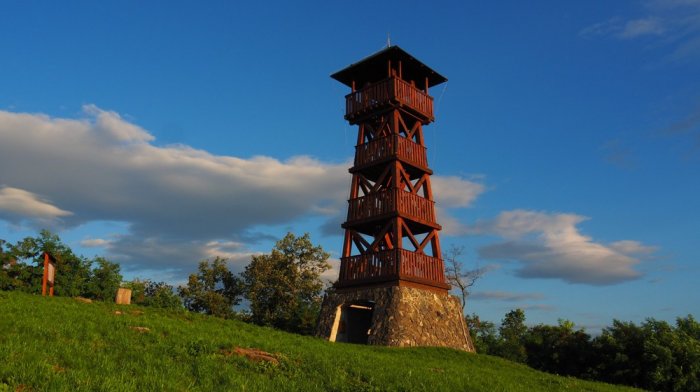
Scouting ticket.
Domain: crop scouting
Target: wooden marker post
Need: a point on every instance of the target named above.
(123, 296)
(49, 274)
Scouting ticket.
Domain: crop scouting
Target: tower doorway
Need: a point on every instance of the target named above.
(353, 322)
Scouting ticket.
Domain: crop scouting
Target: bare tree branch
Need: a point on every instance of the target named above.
(455, 275)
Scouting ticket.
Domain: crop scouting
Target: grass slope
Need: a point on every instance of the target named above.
(60, 344)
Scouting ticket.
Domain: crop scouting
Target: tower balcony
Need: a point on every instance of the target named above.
(391, 147)
(381, 205)
(388, 92)
(392, 265)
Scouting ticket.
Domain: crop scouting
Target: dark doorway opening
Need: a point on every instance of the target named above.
(355, 323)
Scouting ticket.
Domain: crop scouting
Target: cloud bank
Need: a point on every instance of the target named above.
(672, 25)
(550, 245)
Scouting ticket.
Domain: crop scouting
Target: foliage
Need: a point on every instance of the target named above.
(23, 268)
(215, 290)
(284, 287)
(161, 295)
(456, 276)
(138, 291)
(73, 273)
(559, 349)
(91, 347)
(512, 332)
(483, 334)
(155, 294)
(13, 276)
(654, 355)
(104, 280)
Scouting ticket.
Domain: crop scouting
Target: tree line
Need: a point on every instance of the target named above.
(653, 355)
(283, 289)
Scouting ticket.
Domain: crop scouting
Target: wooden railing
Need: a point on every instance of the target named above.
(416, 207)
(417, 265)
(368, 267)
(372, 205)
(392, 200)
(412, 97)
(410, 151)
(391, 146)
(391, 264)
(388, 91)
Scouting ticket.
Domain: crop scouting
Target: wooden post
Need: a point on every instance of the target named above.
(44, 279)
(123, 296)
(47, 281)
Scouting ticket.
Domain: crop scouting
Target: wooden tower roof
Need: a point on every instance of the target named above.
(374, 68)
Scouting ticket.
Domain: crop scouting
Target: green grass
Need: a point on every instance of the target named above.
(60, 344)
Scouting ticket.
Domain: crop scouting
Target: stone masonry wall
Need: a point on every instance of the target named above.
(404, 317)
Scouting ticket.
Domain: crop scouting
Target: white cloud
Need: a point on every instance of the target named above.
(95, 243)
(18, 204)
(632, 247)
(504, 296)
(539, 307)
(673, 26)
(110, 123)
(455, 192)
(331, 274)
(551, 246)
(85, 166)
(639, 27)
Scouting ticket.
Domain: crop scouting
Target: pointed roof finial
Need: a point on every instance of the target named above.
(388, 40)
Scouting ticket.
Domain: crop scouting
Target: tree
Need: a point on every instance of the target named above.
(455, 274)
(215, 290)
(284, 287)
(13, 275)
(162, 295)
(138, 291)
(484, 335)
(512, 333)
(104, 280)
(72, 272)
(654, 356)
(559, 349)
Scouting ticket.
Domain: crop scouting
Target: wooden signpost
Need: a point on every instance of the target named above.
(49, 274)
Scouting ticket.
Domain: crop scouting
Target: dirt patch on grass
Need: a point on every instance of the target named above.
(58, 368)
(141, 329)
(252, 354)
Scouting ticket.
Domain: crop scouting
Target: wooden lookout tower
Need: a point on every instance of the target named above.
(391, 289)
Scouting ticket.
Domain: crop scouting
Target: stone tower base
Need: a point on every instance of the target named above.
(394, 316)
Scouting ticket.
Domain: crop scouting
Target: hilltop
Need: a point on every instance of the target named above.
(62, 344)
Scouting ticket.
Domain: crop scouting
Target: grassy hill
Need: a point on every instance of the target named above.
(61, 344)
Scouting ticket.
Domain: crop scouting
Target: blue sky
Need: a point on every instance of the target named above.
(566, 149)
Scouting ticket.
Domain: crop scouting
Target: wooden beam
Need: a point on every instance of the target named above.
(425, 241)
(347, 244)
(419, 184)
(410, 235)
